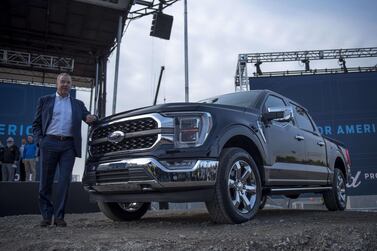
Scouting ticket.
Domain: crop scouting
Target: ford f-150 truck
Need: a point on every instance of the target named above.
(229, 151)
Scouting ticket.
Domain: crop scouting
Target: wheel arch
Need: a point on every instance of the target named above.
(245, 138)
(339, 163)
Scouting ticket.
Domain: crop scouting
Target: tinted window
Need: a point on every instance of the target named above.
(273, 101)
(302, 119)
(242, 99)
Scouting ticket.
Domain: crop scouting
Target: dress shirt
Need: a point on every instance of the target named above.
(22, 151)
(61, 121)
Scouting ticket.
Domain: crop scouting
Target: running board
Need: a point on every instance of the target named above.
(294, 190)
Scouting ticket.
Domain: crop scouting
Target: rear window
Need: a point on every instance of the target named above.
(241, 99)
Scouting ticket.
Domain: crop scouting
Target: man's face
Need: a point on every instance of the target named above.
(23, 141)
(30, 139)
(63, 85)
(10, 142)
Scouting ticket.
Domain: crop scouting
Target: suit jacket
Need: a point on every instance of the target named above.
(43, 116)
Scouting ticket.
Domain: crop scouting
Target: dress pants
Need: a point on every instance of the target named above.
(8, 171)
(61, 154)
(29, 169)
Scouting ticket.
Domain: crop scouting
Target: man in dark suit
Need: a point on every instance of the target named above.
(57, 130)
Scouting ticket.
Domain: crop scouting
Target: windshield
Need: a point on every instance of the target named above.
(242, 99)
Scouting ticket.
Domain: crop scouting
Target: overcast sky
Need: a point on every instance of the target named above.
(221, 29)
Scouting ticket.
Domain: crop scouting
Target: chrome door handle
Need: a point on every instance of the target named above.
(299, 137)
(320, 143)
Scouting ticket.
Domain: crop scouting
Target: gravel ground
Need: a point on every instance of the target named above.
(193, 230)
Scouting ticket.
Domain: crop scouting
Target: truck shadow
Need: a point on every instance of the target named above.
(202, 216)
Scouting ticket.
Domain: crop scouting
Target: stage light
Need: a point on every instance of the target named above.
(342, 62)
(257, 65)
(307, 64)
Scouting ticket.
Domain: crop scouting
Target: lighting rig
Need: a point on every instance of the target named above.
(305, 57)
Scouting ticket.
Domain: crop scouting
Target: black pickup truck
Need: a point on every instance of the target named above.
(229, 151)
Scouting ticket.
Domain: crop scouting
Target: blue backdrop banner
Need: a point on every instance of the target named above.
(344, 107)
(17, 109)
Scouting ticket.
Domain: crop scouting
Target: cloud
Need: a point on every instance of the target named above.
(218, 31)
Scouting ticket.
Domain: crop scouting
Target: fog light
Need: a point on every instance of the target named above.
(178, 164)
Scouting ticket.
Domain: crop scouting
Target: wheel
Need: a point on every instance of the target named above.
(262, 202)
(126, 211)
(238, 188)
(336, 198)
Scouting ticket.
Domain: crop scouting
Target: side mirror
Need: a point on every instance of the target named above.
(281, 114)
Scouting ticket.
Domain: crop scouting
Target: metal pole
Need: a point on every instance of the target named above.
(100, 90)
(91, 98)
(186, 57)
(97, 87)
(158, 85)
(104, 81)
(119, 38)
(90, 110)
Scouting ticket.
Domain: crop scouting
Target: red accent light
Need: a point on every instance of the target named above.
(348, 157)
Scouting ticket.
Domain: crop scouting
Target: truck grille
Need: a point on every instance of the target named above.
(101, 146)
(128, 126)
(125, 175)
(136, 143)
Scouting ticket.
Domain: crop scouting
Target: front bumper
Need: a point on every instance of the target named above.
(148, 175)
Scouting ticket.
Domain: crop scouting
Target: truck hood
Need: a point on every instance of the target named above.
(170, 107)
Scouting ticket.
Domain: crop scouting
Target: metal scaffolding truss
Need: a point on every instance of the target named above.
(149, 7)
(242, 78)
(308, 55)
(29, 60)
(316, 71)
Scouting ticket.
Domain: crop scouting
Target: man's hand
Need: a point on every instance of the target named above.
(90, 118)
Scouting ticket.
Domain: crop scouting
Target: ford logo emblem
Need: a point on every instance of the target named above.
(116, 137)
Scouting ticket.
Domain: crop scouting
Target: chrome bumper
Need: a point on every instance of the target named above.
(202, 173)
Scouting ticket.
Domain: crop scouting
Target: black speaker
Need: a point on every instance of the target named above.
(161, 25)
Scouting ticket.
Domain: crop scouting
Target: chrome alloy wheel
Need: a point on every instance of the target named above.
(130, 206)
(242, 188)
(341, 189)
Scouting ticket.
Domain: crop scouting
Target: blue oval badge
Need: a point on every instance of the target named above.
(116, 137)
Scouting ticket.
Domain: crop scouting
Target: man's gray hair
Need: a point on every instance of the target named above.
(63, 74)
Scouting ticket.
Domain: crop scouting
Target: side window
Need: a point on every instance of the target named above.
(273, 101)
(302, 119)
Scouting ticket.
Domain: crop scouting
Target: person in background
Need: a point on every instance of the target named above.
(22, 165)
(10, 160)
(29, 155)
(2, 149)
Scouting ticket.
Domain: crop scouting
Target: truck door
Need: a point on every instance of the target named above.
(286, 153)
(315, 165)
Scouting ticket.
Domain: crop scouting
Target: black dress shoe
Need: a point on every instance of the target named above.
(60, 223)
(45, 223)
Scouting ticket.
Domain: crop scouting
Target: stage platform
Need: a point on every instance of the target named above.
(18, 198)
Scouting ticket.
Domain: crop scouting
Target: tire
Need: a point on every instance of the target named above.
(238, 188)
(336, 198)
(262, 202)
(123, 211)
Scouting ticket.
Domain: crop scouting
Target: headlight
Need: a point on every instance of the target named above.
(191, 128)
